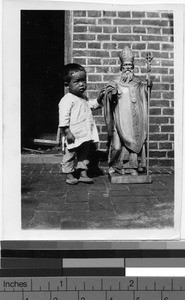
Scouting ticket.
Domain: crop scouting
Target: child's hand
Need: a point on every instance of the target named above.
(70, 137)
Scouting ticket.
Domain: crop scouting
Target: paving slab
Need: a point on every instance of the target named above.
(49, 203)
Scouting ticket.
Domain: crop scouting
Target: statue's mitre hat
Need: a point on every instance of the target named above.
(126, 55)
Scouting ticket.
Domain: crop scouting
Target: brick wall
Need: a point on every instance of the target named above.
(97, 39)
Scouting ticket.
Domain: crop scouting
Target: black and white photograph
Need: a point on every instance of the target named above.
(92, 120)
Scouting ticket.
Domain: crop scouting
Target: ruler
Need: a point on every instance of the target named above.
(92, 288)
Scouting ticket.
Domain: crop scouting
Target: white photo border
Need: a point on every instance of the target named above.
(11, 128)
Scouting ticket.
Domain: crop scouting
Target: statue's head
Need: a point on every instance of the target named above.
(126, 59)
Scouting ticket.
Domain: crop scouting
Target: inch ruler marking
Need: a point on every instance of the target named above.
(92, 288)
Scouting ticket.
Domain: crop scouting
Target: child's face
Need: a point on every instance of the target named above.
(77, 84)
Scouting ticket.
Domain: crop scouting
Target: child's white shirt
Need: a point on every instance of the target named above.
(76, 113)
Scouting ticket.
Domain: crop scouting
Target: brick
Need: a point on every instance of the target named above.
(167, 47)
(79, 45)
(109, 61)
(160, 154)
(154, 38)
(162, 87)
(139, 46)
(159, 120)
(94, 14)
(152, 15)
(109, 29)
(122, 45)
(138, 14)
(94, 78)
(159, 103)
(167, 15)
(109, 46)
(124, 29)
(94, 61)
(103, 137)
(109, 13)
(104, 21)
(160, 54)
(92, 95)
(126, 22)
(108, 78)
(98, 53)
(168, 63)
(161, 162)
(115, 70)
(155, 78)
(155, 111)
(167, 31)
(158, 137)
(170, 154)
(84, 37)
(160, 70)
(84, 21)
(153, 30)
(100, 120)
(103, 146)
(79, 13)
(90, 69)
(97, 112)
(139, 29)
(165, 145)
(167, 128)
(80, 53)
(104, 128)
(95, 29)
(161, 23)
(168, 111)
(94, 45)
(153, 146)
(121, 37)
(171, 120)
(168, 79)
(103, 37)
(102, 69)
(80, 28)
(154, 128)
(156, 95)
(80, 61)
(124, 14)
(96, 86)
(168, 95)
(171, 137)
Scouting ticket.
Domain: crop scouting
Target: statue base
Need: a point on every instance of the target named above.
(117, 178)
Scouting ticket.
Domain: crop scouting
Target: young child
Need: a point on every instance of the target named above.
(77, 123)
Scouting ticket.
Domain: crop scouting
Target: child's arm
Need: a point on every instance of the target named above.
(70, 137)
(65, 106)
(97, 103)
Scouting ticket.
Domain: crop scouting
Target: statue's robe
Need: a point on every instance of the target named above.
(125, 110)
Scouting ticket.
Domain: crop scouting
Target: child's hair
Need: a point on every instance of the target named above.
(70, 69)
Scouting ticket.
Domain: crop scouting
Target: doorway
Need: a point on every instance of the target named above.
(42, 61)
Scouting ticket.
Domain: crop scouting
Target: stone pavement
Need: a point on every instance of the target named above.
(49, 203)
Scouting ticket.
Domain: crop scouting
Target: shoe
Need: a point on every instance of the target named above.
(85, 179)
(72, 181)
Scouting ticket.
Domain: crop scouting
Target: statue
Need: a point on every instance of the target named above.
(126, 117)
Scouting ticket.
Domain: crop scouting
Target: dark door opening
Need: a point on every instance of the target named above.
(42, 61)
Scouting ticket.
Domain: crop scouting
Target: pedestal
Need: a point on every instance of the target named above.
(117, 178)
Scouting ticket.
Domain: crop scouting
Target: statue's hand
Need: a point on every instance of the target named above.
(101, 96)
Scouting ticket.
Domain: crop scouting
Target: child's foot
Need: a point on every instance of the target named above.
(84, 178)
(70, 179)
